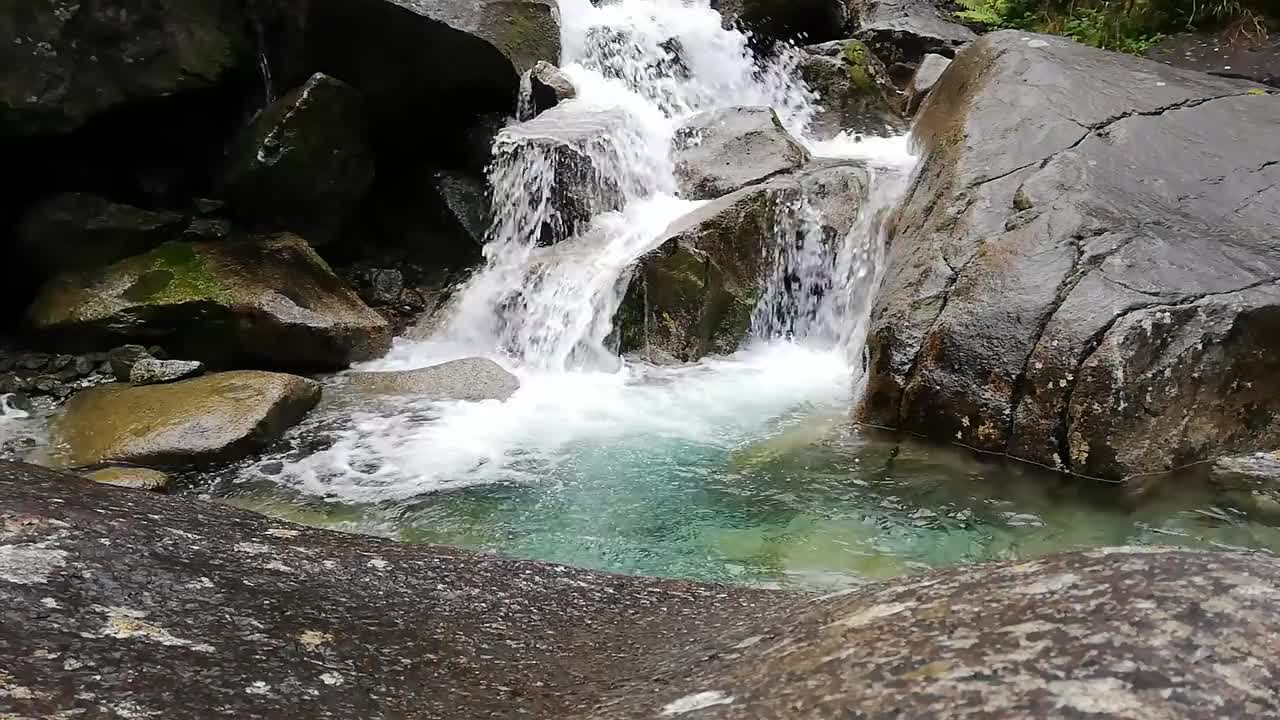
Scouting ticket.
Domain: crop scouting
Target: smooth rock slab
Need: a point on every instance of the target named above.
(466, 379)
(720, 151)
(243, 616)
(215, 418)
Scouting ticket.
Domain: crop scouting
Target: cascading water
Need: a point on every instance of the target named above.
(582, 192)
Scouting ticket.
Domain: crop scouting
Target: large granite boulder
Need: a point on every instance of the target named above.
(1085, 274)
(696, 294)
(215, 418)
(568, 166)
(66, 62)
(104, 591)
(303, 163)
(268, 302)
(437, 64)
(804, 20)
(74, 231)
(853, 87)
(902, 32)
(720, 151)
(472, 379)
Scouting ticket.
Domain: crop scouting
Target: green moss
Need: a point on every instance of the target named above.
(175, 273)
(856, 65)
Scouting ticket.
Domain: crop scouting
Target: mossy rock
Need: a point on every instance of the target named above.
(215, 418)
(72, 231)
(264, 302)
(304, 163)
(853, 88)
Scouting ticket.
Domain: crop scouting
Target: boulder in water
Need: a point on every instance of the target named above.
(853, 88)
(66, 63)
(471, 379)
(1084, 274)
(461, 635)
(74, 231)
(304, 162)
(266, 301)
(902, 32)
(720, 151)
(548, 86)
(559, 170)
(923, 81)
(215, 418)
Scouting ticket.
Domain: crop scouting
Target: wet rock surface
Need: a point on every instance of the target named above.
(471, 379)
(304, 162)
(245, 616)
(1234, 57)
(130, 478)
(720, 151)
(1084, 274)
(215, 418)
(853, 88)
(72, 231)
(266, 302)
(35, 374)
(548, 87)
(902, 32)
(811, 20)
(150, 371)
(924, 80)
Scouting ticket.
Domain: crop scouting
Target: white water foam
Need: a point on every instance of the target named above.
(641, 67)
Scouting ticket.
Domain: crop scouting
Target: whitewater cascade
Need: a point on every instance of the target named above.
(557, 266)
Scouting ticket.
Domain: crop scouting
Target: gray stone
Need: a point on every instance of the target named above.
(123, 359)
(720, 151)
(902, 32)
(922, 82)
(466, 202)
(1237, 56)
(853, 87)
(800, 20)
(1084, 274)
(74, 231)
(215, 418)
(472, 379)
(102, 589)
(1256, 470)
(269, 301)
(304, 162)
(150, 371)
(547, 86)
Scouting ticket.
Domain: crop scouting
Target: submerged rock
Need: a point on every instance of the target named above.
(132, 478)
(853, 88)
(215, 418)
(902, 32)
(471, 379)
(1084, 274)
(266, 302)
(67, 62)
(73, 231)
(138, 585)
(303, 163)
(720, 151)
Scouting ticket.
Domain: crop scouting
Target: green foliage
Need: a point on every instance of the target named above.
(1125, 25)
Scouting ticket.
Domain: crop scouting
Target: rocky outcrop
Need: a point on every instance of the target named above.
(696, 293)
(804, 20)
(215, 418)
(472, 379)
(1234, 55)
(924, 80)
(1084, 273)
(586, 155)
(544, 87)
(437, 65)
(268, 302)
(902, 32)
(67, 62)
(720, 151)
(304, 162)
(106, 590)
(73, 231)
(853, 89)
